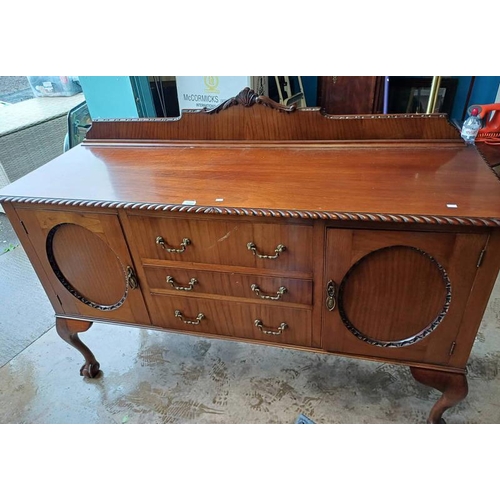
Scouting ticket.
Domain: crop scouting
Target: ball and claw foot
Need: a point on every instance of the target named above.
(90, 370)
(68, 330)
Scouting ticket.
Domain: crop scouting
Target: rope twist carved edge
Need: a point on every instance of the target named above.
(263, 212)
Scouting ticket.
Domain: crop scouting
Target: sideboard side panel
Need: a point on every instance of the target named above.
(486, 277)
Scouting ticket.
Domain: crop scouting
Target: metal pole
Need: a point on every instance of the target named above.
(386, 95)
(431, 105)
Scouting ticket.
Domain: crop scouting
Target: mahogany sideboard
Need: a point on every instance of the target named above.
(342, 95)
(371, 236)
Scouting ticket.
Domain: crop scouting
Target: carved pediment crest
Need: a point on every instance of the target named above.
(247, 98)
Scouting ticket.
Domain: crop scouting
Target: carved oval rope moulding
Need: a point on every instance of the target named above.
(413, 338)
(72, 289)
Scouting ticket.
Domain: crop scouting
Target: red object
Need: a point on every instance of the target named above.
(490, 132)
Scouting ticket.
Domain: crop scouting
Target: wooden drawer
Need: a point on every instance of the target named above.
(223, 243)
(233, 319)
(195, 281)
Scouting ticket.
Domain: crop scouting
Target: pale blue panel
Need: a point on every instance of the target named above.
(143, 96)
(109, 96)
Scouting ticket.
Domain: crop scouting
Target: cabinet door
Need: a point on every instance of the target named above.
(397, 295)
(86, 261)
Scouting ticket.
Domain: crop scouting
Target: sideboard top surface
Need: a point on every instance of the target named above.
(307, 181)
(253, 156)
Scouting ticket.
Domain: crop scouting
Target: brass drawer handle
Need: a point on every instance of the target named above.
(196, 321)
(331, 295)
(261, 327)
(132, 281)
(188, 288)
(279, 294)
(280, 248)
(185, 242)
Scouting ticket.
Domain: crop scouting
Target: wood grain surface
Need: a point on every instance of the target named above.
(350, 94)
(224, 243)
(88, 264)
(260, 123)
(450, 182)
(385, 285)
(233, 319)
(458, 255)
(231, 284)
(78, 260)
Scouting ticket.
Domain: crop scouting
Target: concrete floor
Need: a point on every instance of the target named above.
(25, 310)
(8, 238)
(157, 377)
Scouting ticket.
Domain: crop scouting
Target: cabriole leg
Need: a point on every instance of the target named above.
(453, 386)
(68, 330)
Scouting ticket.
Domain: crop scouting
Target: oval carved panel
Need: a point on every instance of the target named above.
(87, 267)
(394, 296)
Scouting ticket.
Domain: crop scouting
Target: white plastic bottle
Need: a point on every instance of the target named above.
(471, 127)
